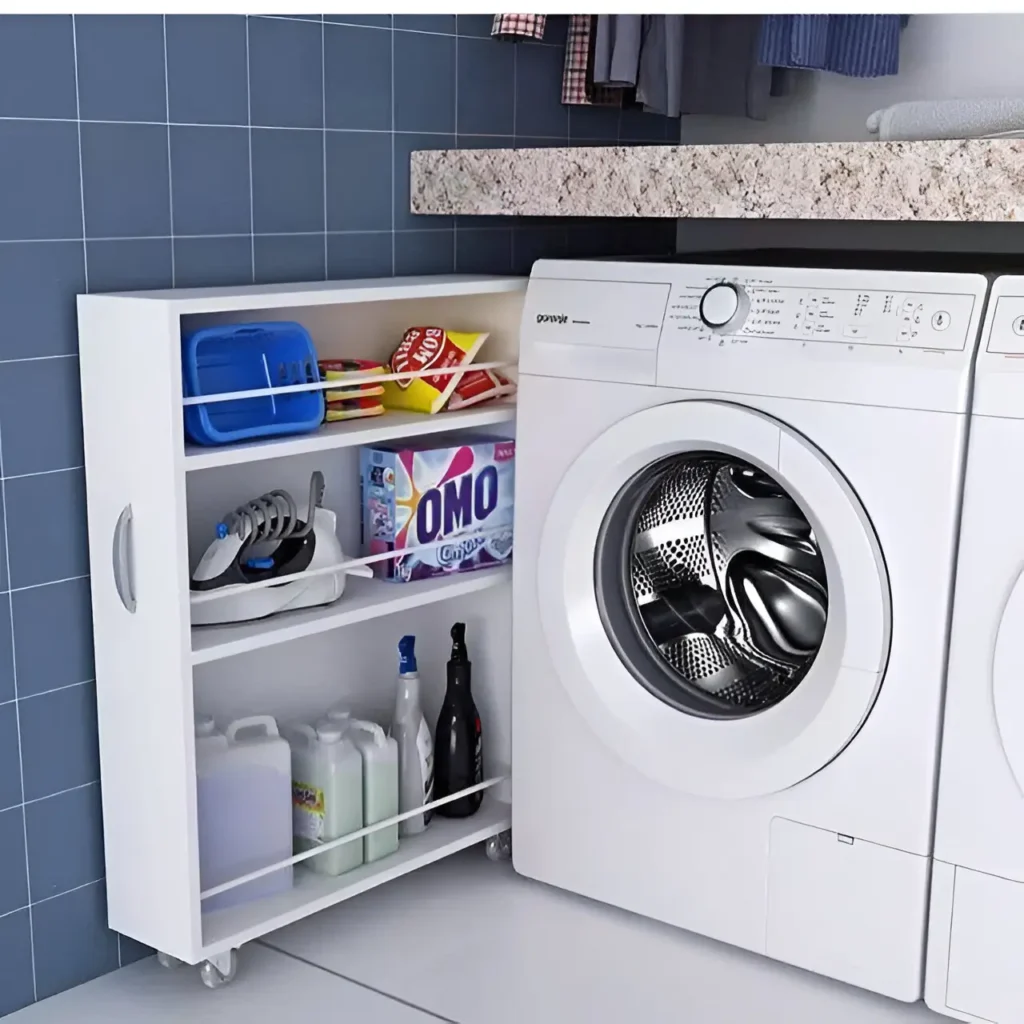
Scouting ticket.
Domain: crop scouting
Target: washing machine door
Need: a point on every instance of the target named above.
(714, 599)
(1007, 673)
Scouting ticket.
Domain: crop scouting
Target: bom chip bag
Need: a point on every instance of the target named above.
(429, 348)
(478, 386)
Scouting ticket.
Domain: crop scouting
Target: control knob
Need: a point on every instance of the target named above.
(724, 307)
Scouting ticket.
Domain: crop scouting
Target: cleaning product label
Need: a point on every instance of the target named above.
(307, 812)
(425, 746)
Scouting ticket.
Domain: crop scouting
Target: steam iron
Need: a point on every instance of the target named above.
(263, 539)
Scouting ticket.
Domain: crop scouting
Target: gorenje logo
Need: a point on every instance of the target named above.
(552, 318)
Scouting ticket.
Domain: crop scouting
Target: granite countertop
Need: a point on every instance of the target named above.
(960, 180)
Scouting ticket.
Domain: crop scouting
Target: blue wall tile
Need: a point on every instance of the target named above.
(358, 193)
(125, 178)
(424, 252)
(285, 73)
(10, 765)
(359, 255)
(65, 841)
(16, 975)
(282, 258)
(40, 436)
(7, 689)
(539, 109)
(40, 191)
(212, 262)
(38, 285)
(72, 942)
(379, 20)
(357, 62)
(484, 251)
(487, 88)
(44, 513)
(475, 24)
(198, 131)
(210, 180)
(129, 265)
(131, 951)
(426, 22)
(424, 82)
(13, 884)
(59, 748)
(287, 181)
(207, 71)
(121, 67)
(37, 66)
(40, 614)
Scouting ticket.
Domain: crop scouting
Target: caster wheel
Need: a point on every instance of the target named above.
(499, 847)
(168, 961)
(220, 970)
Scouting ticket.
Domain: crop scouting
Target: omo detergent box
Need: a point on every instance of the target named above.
(453, 493)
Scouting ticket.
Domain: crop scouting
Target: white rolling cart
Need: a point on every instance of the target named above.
(152, 503)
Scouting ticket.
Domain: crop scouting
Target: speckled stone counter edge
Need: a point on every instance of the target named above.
(960, 180)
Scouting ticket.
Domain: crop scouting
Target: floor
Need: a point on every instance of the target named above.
(469, 941)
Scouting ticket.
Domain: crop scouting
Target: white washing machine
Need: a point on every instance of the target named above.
(737, 498)
(976, 930)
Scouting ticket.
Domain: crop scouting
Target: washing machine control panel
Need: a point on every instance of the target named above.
(852, 317)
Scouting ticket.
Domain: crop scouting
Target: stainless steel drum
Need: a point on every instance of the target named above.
(720, 580)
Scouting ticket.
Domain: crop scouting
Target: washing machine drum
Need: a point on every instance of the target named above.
(711, 584)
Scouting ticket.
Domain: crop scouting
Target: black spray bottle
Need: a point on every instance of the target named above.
(458, 749)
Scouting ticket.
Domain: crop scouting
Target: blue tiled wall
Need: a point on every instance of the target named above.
(144, 152)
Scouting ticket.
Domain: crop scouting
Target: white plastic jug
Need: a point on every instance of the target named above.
(327, 794)
(380, 786)
(243, 799)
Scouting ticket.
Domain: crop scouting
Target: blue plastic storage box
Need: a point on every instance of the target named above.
(245, 357)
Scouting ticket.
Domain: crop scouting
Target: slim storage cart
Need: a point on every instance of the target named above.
(154, 499)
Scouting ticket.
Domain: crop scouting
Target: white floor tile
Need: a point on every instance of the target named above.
(270, 988)
(474, 942)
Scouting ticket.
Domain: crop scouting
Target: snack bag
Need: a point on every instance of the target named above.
(350, 371)
(429, 348)
(478, 386)
(352, 409)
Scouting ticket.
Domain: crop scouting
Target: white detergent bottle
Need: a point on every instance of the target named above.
(243, 801)
(380, 786)
(327, 795)
(415, 745)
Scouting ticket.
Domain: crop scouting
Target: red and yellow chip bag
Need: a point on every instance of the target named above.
(429, 348)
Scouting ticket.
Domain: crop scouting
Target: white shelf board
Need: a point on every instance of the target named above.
(312, 892)
(389, 427)
(325, 293)
(363, 599)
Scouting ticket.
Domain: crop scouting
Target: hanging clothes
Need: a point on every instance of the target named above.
(857, 45)
(519, 26)
(617, 39)
(578, 85)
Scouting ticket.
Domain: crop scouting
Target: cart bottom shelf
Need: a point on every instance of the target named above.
(312, 892)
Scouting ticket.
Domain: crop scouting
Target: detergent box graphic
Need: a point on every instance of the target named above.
(451, 492)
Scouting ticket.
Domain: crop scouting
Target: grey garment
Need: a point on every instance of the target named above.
(617, 40)
(660, 77)
(703, 64)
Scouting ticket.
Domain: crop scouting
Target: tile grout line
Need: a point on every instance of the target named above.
(455, 220)
(43, 472)
(45, 693)
(394, 169)
(323, 121)
(248, 118)
(17, 725)
(47, 583)
(47, 899)
(170, 169)
(81, 169)
(60, 792)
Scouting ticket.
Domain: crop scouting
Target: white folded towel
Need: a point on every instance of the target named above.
(948, 119)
